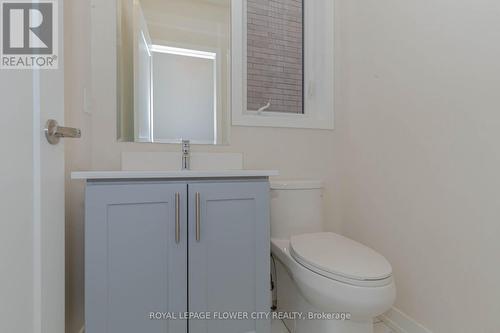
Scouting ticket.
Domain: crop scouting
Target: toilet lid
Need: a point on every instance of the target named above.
(339, 258)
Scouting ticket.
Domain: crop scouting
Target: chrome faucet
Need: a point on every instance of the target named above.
(186, 154)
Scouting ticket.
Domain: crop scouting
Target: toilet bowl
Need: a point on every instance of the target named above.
(335, 283)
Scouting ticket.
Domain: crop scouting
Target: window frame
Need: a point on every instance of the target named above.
(318, 71)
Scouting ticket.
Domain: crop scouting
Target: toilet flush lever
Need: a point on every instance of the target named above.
(54, 132)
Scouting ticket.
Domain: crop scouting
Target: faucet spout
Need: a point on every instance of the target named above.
(186, 154)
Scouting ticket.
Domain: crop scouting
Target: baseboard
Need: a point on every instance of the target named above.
(402, 323)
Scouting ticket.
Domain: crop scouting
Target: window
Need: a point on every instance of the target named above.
(283, 63)
(275, 56)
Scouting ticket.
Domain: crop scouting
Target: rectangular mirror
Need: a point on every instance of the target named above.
(174, 70)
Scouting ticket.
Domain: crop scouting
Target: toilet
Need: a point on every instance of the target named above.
(337, 285)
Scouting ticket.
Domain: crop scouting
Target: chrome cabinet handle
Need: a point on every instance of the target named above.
(177, 217)
(198, 217)
(54, 132)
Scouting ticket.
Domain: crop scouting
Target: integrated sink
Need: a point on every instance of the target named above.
(180, 174)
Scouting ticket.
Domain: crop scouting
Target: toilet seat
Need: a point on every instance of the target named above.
(341, 259)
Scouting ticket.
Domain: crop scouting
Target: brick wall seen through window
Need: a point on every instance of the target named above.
(275, 55)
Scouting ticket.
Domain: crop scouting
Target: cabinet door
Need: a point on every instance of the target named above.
(229, 263)
(133, 264)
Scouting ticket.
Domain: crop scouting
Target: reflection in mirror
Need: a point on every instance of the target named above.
(173, 70)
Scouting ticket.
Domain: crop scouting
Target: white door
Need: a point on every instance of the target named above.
(31, 200)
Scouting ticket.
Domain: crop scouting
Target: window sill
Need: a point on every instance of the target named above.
(282, 120)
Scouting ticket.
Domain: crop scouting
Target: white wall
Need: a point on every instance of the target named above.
(77, 152)
(420, 152)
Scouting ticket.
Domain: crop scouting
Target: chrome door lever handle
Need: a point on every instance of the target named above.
(54, 132)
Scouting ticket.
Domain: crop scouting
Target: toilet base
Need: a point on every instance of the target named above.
(290, 300)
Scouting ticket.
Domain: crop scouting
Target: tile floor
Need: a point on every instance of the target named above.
(278, 327)
(382, 328)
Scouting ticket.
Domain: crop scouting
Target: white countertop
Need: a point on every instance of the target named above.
(89, 175)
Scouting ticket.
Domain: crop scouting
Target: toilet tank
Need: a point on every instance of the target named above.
(296, 208)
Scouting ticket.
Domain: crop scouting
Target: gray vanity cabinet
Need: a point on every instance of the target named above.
(229, 260)
(175, 247)
(133, 264)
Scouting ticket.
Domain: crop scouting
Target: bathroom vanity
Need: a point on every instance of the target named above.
(159, 245)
